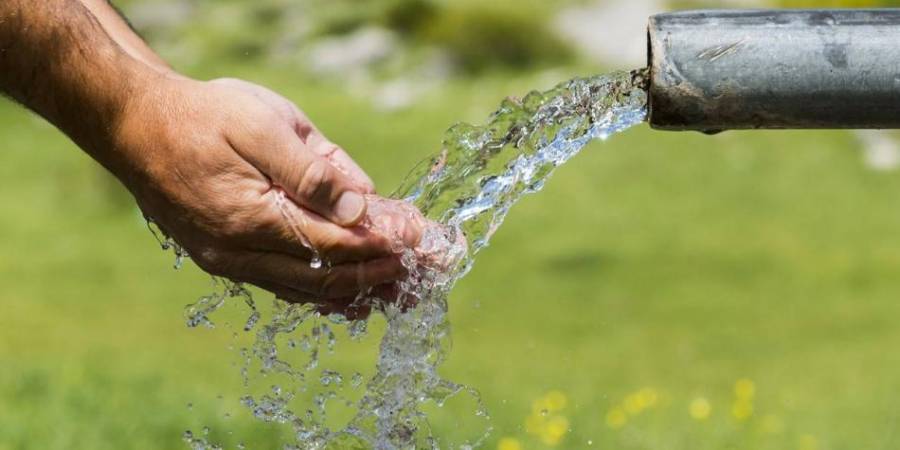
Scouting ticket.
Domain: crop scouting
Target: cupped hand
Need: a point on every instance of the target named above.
(244, 181)
(433, 254)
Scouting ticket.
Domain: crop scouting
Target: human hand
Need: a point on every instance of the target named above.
(233, 172)
(240, 178)
(431, 253)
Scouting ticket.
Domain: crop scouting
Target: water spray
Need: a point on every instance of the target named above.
(721, 70)
(709, 71)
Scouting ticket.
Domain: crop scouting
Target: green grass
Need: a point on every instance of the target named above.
(677, 262)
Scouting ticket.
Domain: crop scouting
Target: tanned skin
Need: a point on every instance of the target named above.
(206, 160)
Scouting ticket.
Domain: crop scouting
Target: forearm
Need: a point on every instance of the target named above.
(120, 32)
(57, 60)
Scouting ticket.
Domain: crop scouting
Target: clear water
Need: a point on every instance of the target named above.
(459, 198)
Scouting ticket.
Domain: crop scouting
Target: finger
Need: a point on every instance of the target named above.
(309, 179)
(291, 229)
(343, 280)
(400, 222)
(393, 294)
(307, 131)
(351, 308)
(281, 292)
(320, 145)
(340, 159)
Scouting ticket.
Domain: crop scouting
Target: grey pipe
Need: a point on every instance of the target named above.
(720, 70)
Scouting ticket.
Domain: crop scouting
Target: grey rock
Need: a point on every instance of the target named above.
(351, 53)
(166, 14)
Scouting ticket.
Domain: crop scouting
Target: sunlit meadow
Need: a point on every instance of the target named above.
(664, 292)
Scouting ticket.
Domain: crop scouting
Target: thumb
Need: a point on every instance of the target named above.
(318, 185)
(308, 179)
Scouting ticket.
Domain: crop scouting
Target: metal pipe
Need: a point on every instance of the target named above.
(720, 70)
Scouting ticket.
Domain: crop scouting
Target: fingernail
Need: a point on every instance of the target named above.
(349, 207)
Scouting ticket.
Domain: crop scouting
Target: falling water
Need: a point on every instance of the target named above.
(459, 198)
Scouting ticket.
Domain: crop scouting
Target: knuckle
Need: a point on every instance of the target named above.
(315, 182)
(328, 149)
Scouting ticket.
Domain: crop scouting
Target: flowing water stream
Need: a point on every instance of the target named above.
(464, 193)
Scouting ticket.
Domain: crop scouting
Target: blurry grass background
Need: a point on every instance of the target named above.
(665, 291)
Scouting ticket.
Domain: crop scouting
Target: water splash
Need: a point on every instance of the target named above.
(483, 170)
(464, 193)
(167, 243)
(297, 222)
(198, 313)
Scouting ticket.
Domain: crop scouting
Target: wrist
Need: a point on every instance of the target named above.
(106, 95)
(138, 145)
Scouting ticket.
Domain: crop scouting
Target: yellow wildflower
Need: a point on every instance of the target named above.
(554, 430)
(509, 444)
(744, 389)
(637, 402)
(808, 442)
(648, 397)
(742, 409)
(616, 418)
(555, 401)
(700, 408)
(545, 421)
(633, 404)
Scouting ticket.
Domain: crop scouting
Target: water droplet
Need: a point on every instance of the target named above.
(180, 255)
(330, 377)
(357, 329)
(252, 320)
(356, 380)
